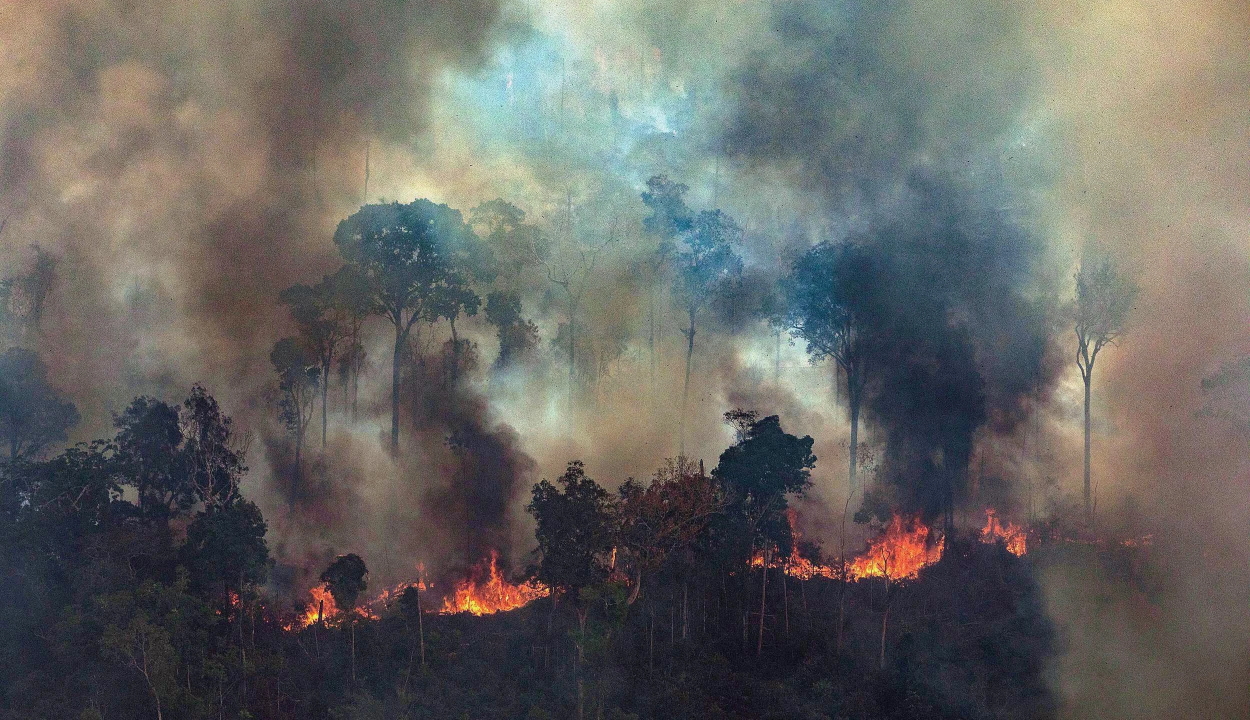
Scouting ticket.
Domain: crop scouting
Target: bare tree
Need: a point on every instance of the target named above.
(1104, 298)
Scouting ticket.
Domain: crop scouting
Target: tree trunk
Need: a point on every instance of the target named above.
(1089, 515)
(353, 652)
(777, 360)
(885, 616)
(759, 641)
(853, 398)
(399, 344)
(685, 388)
(421, 627)
(325, 394)
(785, 600)
(572, 349)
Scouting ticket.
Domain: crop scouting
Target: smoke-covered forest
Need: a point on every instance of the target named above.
(543, 359)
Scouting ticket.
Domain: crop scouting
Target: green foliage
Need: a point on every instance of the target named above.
(417, 260)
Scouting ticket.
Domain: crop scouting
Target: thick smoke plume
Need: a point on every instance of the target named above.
(178, 164)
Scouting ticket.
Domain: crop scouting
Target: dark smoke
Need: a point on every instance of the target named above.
(960, 323)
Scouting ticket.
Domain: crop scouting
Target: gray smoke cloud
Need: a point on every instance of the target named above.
(184, 162)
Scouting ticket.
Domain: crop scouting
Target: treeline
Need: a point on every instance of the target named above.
(135, 575)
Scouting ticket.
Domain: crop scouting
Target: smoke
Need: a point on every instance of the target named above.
(181, 163)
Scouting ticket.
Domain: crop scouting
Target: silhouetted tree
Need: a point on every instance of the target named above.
(408, 256)
(1104, 298)
(518, 336)
(757, 474)
(32, 413)
(215, 453)
(323, 327)
(354, 302)
(575, 529)
(298, 376)
(669, 218)
(226, 548)
(704, 259)
(150, 456)
(827, 304)
(345, 579)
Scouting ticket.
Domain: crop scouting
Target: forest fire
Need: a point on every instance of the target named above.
(1011, 535)
(897, 553)
(321, 607)
(485, 592)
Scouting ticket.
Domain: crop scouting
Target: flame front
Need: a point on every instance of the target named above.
(1012, 535)
(486, 592)
(898, 553)
(321, 607)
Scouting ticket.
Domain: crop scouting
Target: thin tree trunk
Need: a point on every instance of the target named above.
(353, 652)
(572, 348)
(1089, 515)
(885, 616)
(325, 394)
(399, 343)
(853, 398)
(785, 600)
(759, 642)
(777, 360)
(685, 388)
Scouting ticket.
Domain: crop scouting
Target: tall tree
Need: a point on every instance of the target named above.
(572, 272)
(323, 327)
(1104, 298)
(704, 260)
(345, 579)
(215, 453)
(355, 304)
(827, 304)
(669, 218)
(298, 376)
(32, 413)
(406, 253)
(758, 473)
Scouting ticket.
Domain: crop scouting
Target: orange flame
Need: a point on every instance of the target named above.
(486, 592)
(897, 553)
(1013, 536)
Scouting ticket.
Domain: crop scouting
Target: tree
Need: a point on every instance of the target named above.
(353, 300)
(518, 336)
(298, 376)
(514, 243)
(827, 305)
(704, 261)
(226, 548)
(575, 531)
(669, 218)
(324, 325)
(215, 454)
(149, 455)
(757, 474)
(32, 413)
(572, 275)
(665, 516)
(1104, 299)
(345, 579)
(407, 256)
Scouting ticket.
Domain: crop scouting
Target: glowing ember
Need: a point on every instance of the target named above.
(1012, 535)
(897, 553)
(800, 567)
(486, 592)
